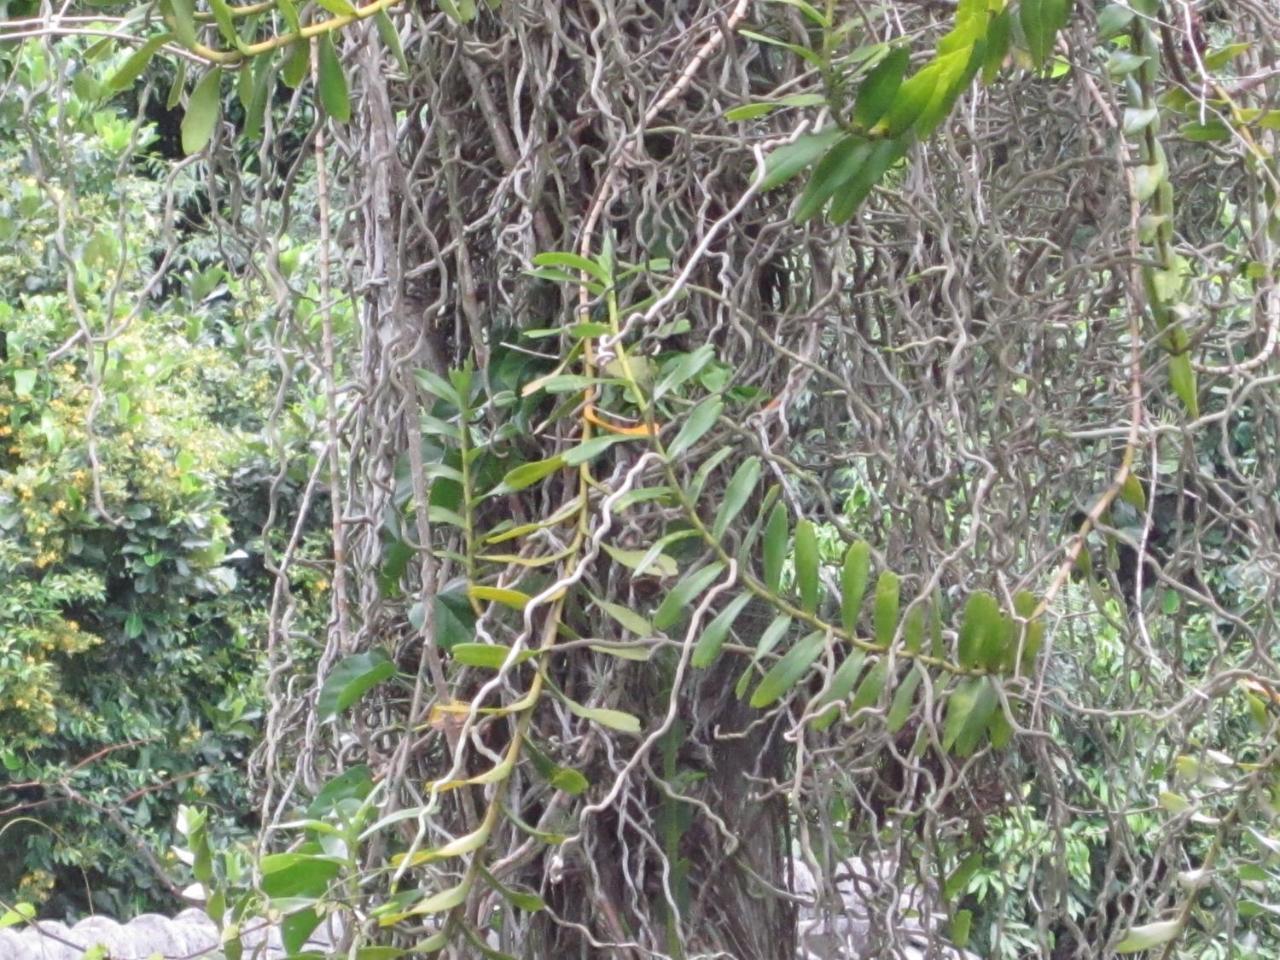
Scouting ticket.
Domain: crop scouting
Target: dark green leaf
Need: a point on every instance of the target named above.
(982, 631)
(1114, 19)
(807, 565)
(350, 679)
(701, 419)
(846, 676)
(791, 158)
(903, 699)
(683, 593)
(853, 583)
(969, 709)
(184, 20)
(877, 91)
(391, 39)
(333, 81)
(297, 875)
(527, 474)
(787, 671)
(885, 612)
(884, 155)
(736, 494)
(871, 687)
(713, 637)
(296, 64)
(838, 167)
(775, 547)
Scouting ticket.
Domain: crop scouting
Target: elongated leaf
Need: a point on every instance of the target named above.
(786, 672)
(838, 167)
(872, 685)
(515, 599)
(884, 155)
(846, 676)
(683, 593)
(202, 112)
(775, 547)
(391, 39)
(911, 99)
(807, 565)
(657, 565)
(333, 81)
(454, 848)
(297, 874)
(736, 494)
(853, 583)
(444, 900)
(791, 158)
(1148, 936)
(1114, 18)
(999, 35)
(982, 631)
(1182, 378)
(613, 719)
(350, 679)
(1024, 604)
(877, 91)
(708, 647)
(627, 617)
(527, 474)
(969, 709)
(132, 68)
(701, 419)
(572, 261)
(264, 74)
(184, 20)
(491, 656)
(688, 366)
(339, 8)
(903, 699)
(885, 612)
(769, 639)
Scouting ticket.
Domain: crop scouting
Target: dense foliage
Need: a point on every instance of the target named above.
(730, 440)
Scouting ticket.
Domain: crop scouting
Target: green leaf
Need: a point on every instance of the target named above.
(1217, 59)
(910, 101)
(1205, 132)
(202, 112)
(1041, 20)
(708, 647)
(838, 167)
(24, 381)
(490, 656)
(842, 682)
(226, 26)
(735, 495)
(296, 927)
(573, 262)
(296, 64)
(750, 111)
(768, 640)
(701, 419)
(184, 20)
(132, 68)
(1114, 19)
(885, 611)
(297, 874)
(391, 39)
(289, 11)
(903, 699)
(657, 565)
(21, 913)
(1024, 605)
(1146, 180)
(999, 36)
(264, 73)
(853, 583)
(871, 687)
(686, 367)
(982, 631)
(775, 547)
(613, 719)
(333, 81)
(884, 155)
(791, 158)
(957, 883)
(350, 679)
(878, 89)
(339, 8)
(444, 900)
(969, 709)
(1148, 936)
(527, 474)
(787, 671)
(627, 617)
(1137, 119)
(1182, 378)
(683, 593)
(960, 927)
(806, 551)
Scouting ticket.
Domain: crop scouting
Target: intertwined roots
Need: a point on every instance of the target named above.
(950, 377)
